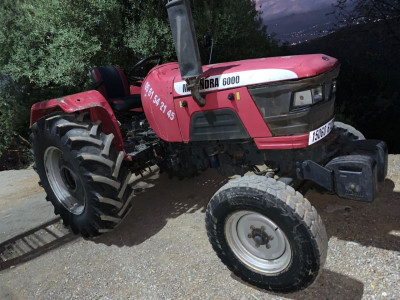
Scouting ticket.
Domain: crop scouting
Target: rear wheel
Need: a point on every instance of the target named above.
(81, 172)
(267, 234)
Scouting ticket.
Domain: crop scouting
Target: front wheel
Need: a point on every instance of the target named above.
(348, 130)
(267, 233)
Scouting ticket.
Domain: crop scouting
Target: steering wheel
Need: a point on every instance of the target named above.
(137, 72)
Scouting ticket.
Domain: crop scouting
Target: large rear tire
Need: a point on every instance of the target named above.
(82, 173)
(267, 233)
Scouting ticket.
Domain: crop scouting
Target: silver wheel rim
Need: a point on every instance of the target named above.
(258, 242)
(64, 182)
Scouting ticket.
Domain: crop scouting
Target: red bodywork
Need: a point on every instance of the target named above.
(91, 101)
(164, 92)
(169, 106)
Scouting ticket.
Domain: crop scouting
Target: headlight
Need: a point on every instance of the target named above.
(302, 98)
(309, 97)
(317, 94)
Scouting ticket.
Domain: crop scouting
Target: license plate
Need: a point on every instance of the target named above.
(320, 133)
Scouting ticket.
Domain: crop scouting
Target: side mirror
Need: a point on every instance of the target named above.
(187, 49)
(183, 32)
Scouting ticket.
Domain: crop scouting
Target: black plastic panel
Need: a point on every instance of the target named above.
(310, 170)
(221, 124)
(355, 177)
(301, 121)
(274, 102)
(377, 150)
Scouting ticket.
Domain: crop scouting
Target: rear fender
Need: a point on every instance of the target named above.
(89, 101)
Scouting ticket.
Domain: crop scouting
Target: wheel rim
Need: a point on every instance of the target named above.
(258, 242)
(63, 180)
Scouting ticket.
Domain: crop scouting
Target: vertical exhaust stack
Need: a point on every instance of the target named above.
(187, 49)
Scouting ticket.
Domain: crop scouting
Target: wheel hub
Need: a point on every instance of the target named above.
(64, 182)
(68, 178)
(260, 237)
(264, 248)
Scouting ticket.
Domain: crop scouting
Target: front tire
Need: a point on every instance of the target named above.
(267, 234)
(348, 130)
(82, 173)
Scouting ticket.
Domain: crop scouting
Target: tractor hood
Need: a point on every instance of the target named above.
(250, 72)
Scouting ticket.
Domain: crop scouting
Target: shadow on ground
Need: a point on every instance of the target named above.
(373, 224)
(329, 285)
(159, 199)
(370, 224)
(34, 242)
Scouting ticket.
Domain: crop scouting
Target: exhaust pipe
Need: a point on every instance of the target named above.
(187, 49)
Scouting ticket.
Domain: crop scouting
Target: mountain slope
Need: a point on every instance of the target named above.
(369, 90)
(300, 27)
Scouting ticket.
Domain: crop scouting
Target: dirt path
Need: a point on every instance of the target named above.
(22, 204)
(161, 250)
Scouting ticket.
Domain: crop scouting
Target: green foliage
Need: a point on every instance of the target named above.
(14, 115)
(46, 50)
(147, 29)
(48, 46)
(236, 28)
(47, 43)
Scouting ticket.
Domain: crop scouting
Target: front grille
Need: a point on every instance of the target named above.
(275, 103)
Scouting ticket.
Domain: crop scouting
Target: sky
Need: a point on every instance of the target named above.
(273, 9)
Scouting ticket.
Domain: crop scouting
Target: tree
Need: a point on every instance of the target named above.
(147, 29)
(46, 50)
(51, 43)
(13, 112)
(47, 47)
(236, 28)
(233, 24)
(350, 12)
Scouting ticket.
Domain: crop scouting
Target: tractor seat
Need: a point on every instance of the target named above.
(111, 82)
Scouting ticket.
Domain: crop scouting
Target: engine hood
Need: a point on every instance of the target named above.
(250, 72)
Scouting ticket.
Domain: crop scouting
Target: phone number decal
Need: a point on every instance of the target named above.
(157, 101)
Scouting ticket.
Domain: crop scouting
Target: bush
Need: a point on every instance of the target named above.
(14, 115)
(48, 47)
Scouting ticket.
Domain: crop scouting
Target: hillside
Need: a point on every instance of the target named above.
(300, 27)
(368, 86)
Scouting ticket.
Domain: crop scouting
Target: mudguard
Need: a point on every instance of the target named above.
(89, 101)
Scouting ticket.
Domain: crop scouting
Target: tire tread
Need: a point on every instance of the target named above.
(286, 194)
(99, 162)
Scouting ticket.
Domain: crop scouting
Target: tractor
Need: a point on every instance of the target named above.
(272, 117)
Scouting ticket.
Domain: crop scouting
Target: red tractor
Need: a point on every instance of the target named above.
(277, 113)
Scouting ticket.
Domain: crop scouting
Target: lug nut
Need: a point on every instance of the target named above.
(252, 227)
(249, 236)
(267, 246)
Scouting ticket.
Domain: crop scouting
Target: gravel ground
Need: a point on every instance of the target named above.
(161, 250)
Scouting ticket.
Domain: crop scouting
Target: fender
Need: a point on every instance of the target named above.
(90, 101)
